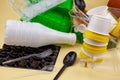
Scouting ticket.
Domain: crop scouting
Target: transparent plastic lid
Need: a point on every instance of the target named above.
(28, 9)
(110, 62)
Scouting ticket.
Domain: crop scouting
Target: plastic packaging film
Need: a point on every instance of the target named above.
(61, 13)
(111, 62)
(48, 18)
(28, 9)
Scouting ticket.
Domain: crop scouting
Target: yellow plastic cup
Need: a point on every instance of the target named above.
(118, 19)
(86, 61)
(96, 50)
(95, 36)
(116, 31)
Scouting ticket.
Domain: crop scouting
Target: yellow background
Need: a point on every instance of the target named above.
(72, 73)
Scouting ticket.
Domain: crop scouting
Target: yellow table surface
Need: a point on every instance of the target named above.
(74, 72)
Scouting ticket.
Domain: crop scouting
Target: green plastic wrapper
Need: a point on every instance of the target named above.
(57, 18)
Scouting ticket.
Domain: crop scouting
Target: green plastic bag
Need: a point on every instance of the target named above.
(57, 18)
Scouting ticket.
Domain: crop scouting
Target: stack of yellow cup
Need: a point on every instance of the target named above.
(96, 38)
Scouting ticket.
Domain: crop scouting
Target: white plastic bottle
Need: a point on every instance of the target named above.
(35, 35)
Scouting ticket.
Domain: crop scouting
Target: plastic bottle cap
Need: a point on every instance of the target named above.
(97, 37)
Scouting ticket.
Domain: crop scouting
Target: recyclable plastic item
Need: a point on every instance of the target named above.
(95, 43)
(39, 58)
(100, 25)
(84, 55)
(102, 11)
(80, 4)
(88, 60)
(34, 35)
(57, 18)
(79, 18)
(28, 9)
(39, 55)
(110, 63)
(94, 49)
(69, 60)
(96, 37)
(116, 31)
(68, 4)
(90, 55)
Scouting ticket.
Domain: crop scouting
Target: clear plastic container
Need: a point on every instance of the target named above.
(28, 9)
(110, 62)
(53, 14)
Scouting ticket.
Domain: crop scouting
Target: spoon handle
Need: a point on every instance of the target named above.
(60, 72)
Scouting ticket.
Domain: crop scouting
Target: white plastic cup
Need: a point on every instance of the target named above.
(100, 25)
(113, 21)
(35, 35)
(103, 11)
(100, 10)
(94, 43)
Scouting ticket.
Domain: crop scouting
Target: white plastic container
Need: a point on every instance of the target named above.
(34, 35)
(103, 11)
(100, 25)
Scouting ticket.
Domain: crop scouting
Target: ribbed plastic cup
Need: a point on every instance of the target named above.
(96, 37)
(94, 49)
(95, 43)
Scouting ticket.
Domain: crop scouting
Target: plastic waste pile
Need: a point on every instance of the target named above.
(96, 29)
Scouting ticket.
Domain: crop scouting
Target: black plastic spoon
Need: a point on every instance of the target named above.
(68, 61)
(80, 4)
